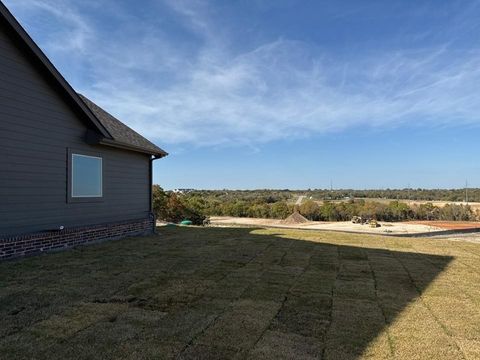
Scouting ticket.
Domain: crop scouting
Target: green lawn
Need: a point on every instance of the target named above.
(224, 293)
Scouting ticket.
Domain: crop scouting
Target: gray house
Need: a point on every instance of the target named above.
(70, 172)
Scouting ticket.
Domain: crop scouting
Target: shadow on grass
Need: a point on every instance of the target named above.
(212, 293)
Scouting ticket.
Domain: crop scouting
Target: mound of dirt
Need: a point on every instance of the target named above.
(295, 218)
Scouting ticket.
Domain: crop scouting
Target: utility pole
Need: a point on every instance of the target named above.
(466, 191)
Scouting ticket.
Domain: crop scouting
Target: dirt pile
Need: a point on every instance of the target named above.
(295, 218)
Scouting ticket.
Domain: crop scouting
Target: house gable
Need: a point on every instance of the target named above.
(110, 131)
(11, 28)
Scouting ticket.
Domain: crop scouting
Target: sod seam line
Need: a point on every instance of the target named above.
(285, 297)
(391, 344)
(229, 307)
(330, 313)
(437, 320)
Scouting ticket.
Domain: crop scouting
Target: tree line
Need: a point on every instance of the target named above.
(455, 195)
(196, 206)
(392, 211)
(274, 204)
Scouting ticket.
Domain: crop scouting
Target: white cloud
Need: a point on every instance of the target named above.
(209, 95)
(71, 26)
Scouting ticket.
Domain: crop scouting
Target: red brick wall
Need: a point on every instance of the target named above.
(28, 244)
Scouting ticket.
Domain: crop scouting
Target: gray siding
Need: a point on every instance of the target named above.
(36, 129)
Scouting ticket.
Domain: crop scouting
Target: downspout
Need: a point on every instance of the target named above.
(150, 176)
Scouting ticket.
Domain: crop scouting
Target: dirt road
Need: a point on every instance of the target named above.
(300, 200)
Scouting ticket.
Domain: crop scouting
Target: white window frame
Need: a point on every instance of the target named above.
(72, 177)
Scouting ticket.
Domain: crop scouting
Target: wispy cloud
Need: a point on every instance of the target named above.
(70, 25)
(208, 94)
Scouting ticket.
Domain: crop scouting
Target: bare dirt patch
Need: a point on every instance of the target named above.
(346, 226)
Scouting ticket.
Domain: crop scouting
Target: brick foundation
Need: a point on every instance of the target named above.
(29, 244)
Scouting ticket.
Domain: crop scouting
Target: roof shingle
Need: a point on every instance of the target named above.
(120, 132)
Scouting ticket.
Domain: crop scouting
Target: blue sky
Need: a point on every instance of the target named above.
(280, 94)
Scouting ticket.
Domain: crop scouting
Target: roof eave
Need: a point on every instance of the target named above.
(118, 144)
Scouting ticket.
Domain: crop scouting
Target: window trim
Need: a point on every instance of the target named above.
(88, 198)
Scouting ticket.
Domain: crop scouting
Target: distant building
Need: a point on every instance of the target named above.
(182, 191)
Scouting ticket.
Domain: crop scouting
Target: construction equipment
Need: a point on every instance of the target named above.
(373, 223)
(365, 221)
(357, 220)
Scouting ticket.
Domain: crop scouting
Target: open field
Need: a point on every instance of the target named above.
(216, 293)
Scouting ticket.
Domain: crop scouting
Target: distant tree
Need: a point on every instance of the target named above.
(426, 211)
(170, 207)
(159, 202)
(457, 213)
(270, 199)
(259, 211)
(328, 211)
(175, 209)
(310, 210)
(399, 211)
(280, 210)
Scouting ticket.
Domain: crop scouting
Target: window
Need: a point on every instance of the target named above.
(86, 176)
